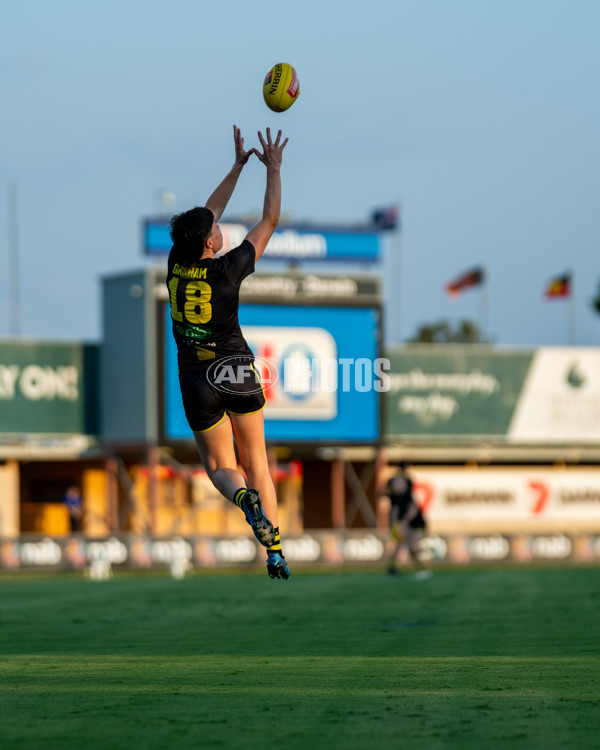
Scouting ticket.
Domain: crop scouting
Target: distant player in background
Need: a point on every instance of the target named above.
(221, 391)
(407, 523)
(74, 503)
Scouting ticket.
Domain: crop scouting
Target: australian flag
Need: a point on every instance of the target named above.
(386, 218)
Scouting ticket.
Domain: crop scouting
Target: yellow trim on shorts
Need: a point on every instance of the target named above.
(246, 413)
(215, 424)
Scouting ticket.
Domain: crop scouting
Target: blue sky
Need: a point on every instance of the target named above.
(479, 118)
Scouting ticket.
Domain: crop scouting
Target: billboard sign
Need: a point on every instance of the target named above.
(320, 371)
(544, 396)
(560, 399)
(290, 242)
(48, 388)
(310, 288)
(514, 499)
(98, 557)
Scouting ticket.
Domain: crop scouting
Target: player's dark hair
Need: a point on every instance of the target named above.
(190, 230)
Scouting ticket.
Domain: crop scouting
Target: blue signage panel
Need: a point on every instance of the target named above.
(288, 242)
(157, 240)
(319, 369)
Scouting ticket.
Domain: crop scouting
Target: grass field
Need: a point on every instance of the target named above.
(469, 658)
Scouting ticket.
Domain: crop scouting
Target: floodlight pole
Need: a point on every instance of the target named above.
(14, 273)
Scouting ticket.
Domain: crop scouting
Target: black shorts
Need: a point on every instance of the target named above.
(230, 386)
(418, 522)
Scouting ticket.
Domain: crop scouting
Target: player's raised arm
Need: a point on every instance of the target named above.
(221, 195)
(271, 157)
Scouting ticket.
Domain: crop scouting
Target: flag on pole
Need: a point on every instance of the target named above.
(560, 286)
(474, 277)
(386, 218)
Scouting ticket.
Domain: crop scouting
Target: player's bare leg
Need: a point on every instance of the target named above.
(218, 456)
(414, 538)
(391, 568)
(249, 433)
(398, 536)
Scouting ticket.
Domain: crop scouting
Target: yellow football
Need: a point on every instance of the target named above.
(281, 87)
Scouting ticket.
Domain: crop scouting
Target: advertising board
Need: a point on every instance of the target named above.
(289, 242)
(48, 388)
(320, 371)
(550, 395)
(367, 547)
(509, 499)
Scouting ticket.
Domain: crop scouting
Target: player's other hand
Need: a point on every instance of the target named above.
(241, 155)
(272, 153)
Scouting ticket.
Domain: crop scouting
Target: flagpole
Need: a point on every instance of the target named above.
(571, 335)
(397, 275)
(483, 313)
(13, 223)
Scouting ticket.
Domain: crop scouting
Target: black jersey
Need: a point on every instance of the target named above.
(204, 298)
(400, 491)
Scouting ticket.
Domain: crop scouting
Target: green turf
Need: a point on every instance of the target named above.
(483, 659)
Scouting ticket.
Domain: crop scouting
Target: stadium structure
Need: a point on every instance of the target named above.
(504, 444)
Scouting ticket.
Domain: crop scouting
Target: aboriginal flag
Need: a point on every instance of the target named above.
(560, 286)
(475, 277)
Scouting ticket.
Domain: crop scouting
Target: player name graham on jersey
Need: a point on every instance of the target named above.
(189, 273)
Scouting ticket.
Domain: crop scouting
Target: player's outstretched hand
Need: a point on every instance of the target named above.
(241, 156)
(272, 153)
